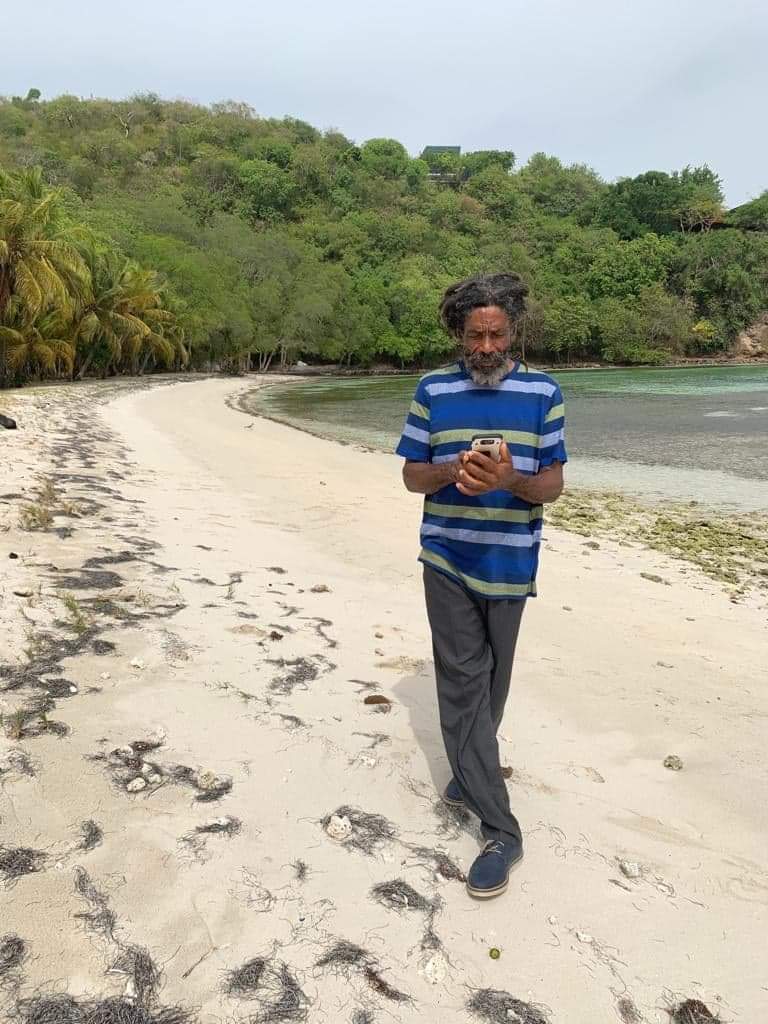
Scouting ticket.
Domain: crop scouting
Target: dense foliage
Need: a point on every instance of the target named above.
(142, 233)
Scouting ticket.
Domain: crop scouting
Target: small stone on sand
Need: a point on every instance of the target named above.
(630, 868)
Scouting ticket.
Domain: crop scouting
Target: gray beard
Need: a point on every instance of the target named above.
(488, 378)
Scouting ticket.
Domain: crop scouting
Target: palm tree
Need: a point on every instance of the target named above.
(122, 318)
(36, 347)
(40, 267)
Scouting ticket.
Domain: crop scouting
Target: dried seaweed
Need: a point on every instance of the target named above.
(362, 1017)
(136, 962)
(693, 1011)
(369, 831)
(440, 862)
(147, 745)
(92, 835)
(292, 722)
(254, 894)
(399, 895)
(301, 870)
(499, 1007)
(345, 954)
(16, 861)
(197, 839)
(243, 982)
(290, 1004)
(13, 949)
(273, 987)
(302, 671)
(99, 918)
(345, 957)
(383, 988)
(228, 825)
(64, 1009)
(454, 820)
(59, 688)
(59, 1009)
(628, 1012)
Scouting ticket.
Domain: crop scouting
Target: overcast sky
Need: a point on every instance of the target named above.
(622, 85)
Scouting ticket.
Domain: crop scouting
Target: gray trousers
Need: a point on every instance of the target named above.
(473, 642)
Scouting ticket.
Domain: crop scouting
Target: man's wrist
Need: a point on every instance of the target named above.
(512, 479)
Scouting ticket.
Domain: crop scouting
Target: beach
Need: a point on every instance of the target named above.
(202, 600)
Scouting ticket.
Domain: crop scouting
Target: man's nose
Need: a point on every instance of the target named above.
(486, 344)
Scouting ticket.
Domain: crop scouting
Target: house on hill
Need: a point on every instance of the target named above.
(443, 163)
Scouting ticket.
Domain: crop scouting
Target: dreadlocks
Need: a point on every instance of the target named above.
(507, 291)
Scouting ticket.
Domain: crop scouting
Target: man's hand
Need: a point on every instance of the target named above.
(480, 474)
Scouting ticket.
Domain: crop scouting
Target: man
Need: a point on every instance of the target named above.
(480, 537)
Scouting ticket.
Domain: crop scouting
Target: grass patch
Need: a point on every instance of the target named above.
(78, 620)
(35, 517)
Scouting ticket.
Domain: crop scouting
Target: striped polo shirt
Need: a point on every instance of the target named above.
(489, 543)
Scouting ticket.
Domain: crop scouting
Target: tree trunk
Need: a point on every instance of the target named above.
(85, 365)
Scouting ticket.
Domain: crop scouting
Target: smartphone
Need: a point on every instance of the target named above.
(488, 444)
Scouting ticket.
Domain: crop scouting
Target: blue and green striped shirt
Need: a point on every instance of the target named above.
(490, 543)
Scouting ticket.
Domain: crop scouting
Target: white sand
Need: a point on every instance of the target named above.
(614, 673)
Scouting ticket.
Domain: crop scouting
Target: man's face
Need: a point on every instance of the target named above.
(487, 340)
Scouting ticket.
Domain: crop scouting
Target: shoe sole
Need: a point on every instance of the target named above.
(489, 894)
(451, 803)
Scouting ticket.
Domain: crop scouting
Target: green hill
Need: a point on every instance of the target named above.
(162, 234)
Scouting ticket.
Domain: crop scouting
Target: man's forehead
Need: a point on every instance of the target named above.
(487, 316)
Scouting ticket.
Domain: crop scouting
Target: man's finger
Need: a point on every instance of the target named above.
(477, 473)
(470, 491)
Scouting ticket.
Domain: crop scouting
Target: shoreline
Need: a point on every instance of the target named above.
(222, 618)
(732, 546)
(383, 371)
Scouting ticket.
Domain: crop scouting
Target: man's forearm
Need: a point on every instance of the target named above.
(537, 490)
(428, 477)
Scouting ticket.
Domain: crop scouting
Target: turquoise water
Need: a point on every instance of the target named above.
(691, 434)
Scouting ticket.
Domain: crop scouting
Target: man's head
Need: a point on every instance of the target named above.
(483, 314)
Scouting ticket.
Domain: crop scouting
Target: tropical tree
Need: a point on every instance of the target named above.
(40, 266)
(122, 318)
(43, 347)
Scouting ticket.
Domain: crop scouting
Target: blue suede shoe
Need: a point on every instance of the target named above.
(452, 795)
(489, 875)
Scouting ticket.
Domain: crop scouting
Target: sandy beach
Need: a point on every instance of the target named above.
(201, 602)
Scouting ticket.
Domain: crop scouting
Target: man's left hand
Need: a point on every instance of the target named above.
(480, 474)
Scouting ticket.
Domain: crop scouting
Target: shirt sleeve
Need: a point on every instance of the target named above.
(552, 446)
(415, 441)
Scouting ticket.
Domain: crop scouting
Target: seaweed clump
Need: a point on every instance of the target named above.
(369, 831)
(346, 958)
(17, 861)
(273, 987)
(497, 1007)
